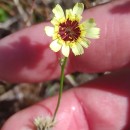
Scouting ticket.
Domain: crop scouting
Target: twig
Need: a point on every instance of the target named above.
(8, 23)
(21, 10)
(28, 22)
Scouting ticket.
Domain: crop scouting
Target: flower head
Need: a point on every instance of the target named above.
(44, 123)
(68, 33)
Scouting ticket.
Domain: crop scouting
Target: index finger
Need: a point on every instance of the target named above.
(25, 56)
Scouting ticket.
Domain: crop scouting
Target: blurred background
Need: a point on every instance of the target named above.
(16, 15)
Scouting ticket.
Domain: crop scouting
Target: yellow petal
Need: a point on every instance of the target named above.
(88, 24)
(89, 27)
(83, 33)
(55, 46)
(58, 11)
(65, 50)
(77, 49)
(54, 21)
(85, 43)
(49, 31)
(78, 9)
(69, 13)
(93, 33)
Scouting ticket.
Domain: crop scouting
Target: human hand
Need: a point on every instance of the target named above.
(102, 104)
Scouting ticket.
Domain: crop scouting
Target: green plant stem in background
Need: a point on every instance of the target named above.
(62, 63)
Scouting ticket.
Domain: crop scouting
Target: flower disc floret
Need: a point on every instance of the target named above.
(68, 33)
(69, 30)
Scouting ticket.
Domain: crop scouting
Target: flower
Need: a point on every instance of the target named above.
(68, 33)
(44, 123)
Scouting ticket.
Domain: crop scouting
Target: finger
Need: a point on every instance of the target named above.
(103, 104)
(25, 56)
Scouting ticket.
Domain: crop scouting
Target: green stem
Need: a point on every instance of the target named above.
(63, 63)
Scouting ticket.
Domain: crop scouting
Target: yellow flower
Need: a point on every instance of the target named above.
(68, 33)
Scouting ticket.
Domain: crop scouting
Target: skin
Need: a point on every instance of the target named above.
(102, 104)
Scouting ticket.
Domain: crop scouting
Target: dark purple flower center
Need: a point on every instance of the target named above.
(69, 30)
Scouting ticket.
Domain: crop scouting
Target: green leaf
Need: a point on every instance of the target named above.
(3, 15)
